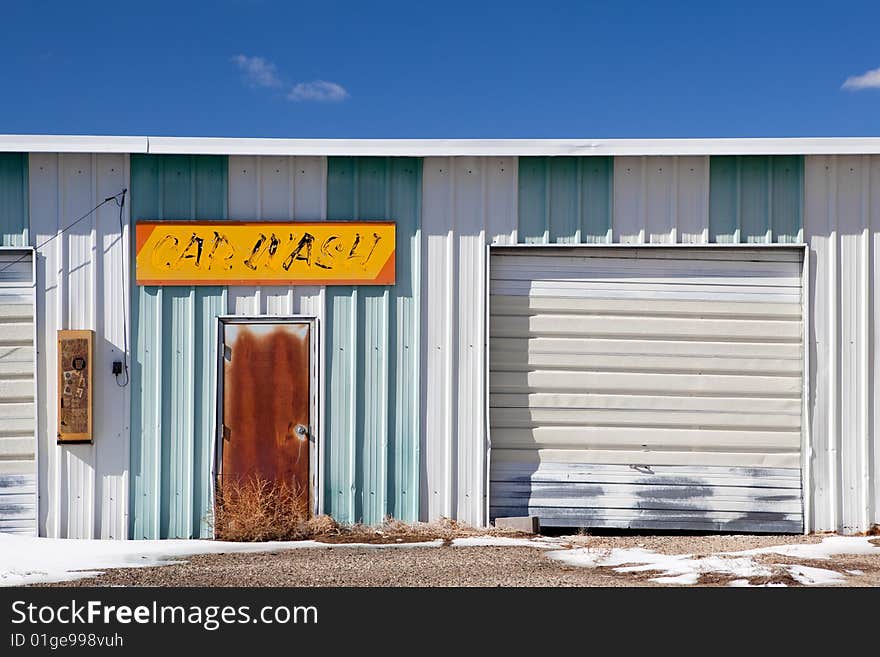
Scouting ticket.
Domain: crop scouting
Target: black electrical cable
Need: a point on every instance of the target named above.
(66, 228)
(121, 205)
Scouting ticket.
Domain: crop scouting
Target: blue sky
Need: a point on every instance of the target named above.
(539, 69)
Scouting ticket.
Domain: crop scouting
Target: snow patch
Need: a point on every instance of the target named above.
(505, 541)
(686, 570)
(809, 576)
(675, 569)
(31, 560)
(829, 547)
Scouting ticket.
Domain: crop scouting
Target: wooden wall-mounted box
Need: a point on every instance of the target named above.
(75, 365)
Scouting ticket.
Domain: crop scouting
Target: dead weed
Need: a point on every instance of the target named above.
(257, 509)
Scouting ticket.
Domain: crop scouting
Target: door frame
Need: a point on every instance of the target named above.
(806, 337)
(316, 434)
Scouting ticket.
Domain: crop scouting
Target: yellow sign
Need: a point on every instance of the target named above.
(259, 253)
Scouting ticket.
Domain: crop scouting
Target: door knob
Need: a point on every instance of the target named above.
(301, 430)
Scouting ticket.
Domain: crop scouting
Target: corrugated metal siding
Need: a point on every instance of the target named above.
(81, 277)
(756, 199)
(467, 203)
(842, 227)
(272, 189)
(13, 199)
(645, 359)
(661, 200)
(18, 449)
(372, 352)
(174, 343)
(565, 199)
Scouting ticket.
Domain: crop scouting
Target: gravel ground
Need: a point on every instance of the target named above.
(338, 565)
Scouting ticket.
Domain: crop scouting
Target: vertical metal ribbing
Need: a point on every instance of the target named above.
(768, 234)
(449, 321)
(154, 500)
(61, 310)
(833, 296)
(865, 325)
(643, 200)
(353, 458)
(673, 201)
(581, 231)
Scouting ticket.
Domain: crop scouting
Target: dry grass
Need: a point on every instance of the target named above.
(261, 510)
(397, 531)
(257, 509)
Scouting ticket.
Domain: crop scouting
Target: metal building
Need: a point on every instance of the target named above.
(616, 333)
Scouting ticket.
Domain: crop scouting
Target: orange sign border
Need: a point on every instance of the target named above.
(144, 228)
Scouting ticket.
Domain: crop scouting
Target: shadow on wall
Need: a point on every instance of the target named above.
(672, 503)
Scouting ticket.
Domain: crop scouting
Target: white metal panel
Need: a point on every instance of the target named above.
(560, 367)
(277, 189)
(467, 203)
(661, 200)
(82, 277)
(842, 227)
(18, 464)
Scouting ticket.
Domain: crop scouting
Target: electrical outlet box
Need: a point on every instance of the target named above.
(75, 365)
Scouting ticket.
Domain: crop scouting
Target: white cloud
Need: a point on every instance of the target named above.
(867, 80)
(258, 72)
(318, 90)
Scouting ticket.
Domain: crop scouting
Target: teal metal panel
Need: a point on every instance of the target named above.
(533, 223)
(787, 194)
(756, 198)
(13, 199)
(565, 199)
(372, 352)
(173, 376)
(724, 199)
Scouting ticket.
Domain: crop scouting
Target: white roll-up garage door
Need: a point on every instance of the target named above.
(647, 387)
(18, 471)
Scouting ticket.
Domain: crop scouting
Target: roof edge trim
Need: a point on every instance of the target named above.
(439, 147)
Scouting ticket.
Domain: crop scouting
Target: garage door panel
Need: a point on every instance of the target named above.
(523, 361)
(650, 458)
(502, 347)
(738, 254)
(657, 519)
(647, 291)
(591, 496)
(684, 359)
(18, 511)
(597, 437)
(544, 400)
(512, 326)
(13, 333)
(519, 418)
(541, 266)
(645, 383)
(720, 477)
(533, 305)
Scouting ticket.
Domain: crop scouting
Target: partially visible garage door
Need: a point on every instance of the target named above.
(647, 387)
(18, 472)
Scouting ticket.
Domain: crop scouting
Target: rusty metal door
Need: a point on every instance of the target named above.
(266, 405)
